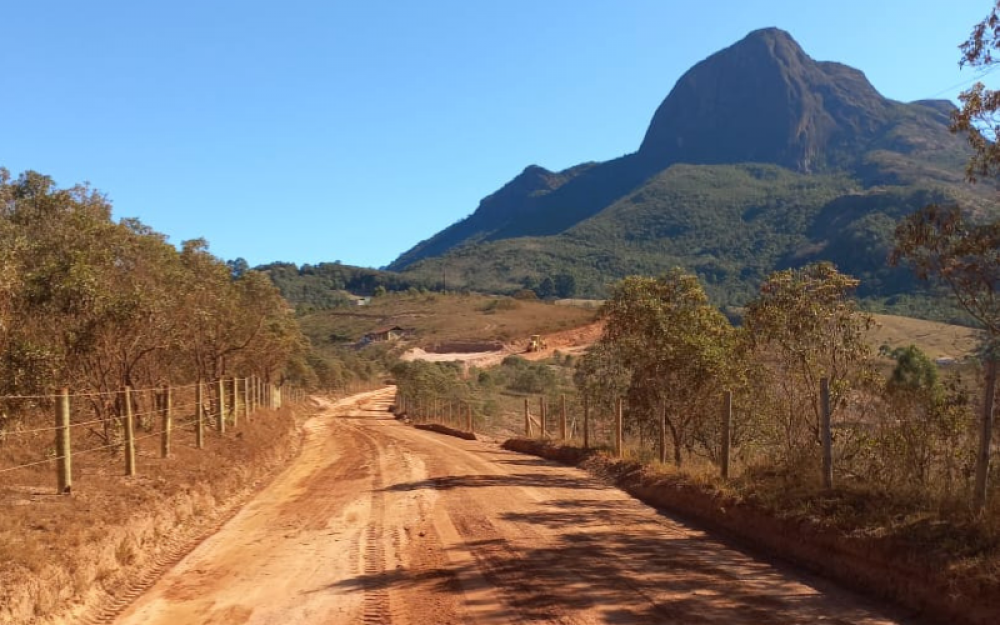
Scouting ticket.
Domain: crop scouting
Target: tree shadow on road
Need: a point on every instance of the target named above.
(521, 480)
(621, 564)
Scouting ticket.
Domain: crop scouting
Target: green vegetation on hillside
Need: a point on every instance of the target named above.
(730, 225)
(759, 159)
(329, 285)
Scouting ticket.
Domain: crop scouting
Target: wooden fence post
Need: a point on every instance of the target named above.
(619, 427)
(253, 394)
(985, 436)
(468, 408)
(562, 418)
(129, 434)
(64, 470)
(199, 399)
(586, 423)
(727, 432)
(826, 436)
(542, 417)
(527, 420)
(221, 404)
(236, 401)
(165, 408)
(662, 430)
(246, 398)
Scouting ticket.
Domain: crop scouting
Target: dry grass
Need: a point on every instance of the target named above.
(436, 318)
(54, 549)
(937, 340)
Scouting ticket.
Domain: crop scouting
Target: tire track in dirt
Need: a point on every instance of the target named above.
(377, 603)
(380, 523)
(171, 554)
(560, 547)
(300, 510)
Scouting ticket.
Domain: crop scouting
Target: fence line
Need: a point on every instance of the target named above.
(537, 425)
(93, 393)
(225, 400)
(103, 420)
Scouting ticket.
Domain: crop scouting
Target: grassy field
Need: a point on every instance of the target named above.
(435, 319)
(937, 340)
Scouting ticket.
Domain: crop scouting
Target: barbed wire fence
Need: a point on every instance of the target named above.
(123, 422)
(569, 419)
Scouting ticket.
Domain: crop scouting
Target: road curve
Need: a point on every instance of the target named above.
(377, 522)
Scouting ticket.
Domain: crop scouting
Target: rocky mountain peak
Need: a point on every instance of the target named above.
(764, 99)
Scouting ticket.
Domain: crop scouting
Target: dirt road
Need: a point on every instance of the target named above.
(378, 522)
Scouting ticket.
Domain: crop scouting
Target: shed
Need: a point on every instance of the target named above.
(388, 333)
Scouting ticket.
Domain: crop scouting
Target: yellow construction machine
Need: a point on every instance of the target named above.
(536, 343)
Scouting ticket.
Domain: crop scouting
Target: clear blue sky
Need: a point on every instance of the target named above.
(319, 131)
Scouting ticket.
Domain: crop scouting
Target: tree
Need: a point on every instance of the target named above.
(96, 304)
(675, 347)
(565, 285)
(914, 371)
(546, 288)
(978, 118)
(805, 326)
(938, 242)
(238, 267)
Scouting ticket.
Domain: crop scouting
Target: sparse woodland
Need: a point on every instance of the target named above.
(905, 434)
(97, 305)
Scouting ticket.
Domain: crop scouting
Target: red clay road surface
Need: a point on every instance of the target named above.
(377, 522)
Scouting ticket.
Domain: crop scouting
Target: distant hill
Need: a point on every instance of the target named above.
(759, 158)
(330, 285)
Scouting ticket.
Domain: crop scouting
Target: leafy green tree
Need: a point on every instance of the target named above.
(601, 377)
(805, 326)
(920, 443)
(546, 288)
(238, 267)
(565, 285)
(939, 242)
(914, 371)
(676, 347)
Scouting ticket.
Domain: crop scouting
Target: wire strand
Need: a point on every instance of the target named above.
(104, 420)
(103, 447)
(207, 384)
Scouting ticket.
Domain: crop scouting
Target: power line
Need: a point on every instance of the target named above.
(964, 83)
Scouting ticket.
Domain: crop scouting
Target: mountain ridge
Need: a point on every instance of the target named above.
(759, 117)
